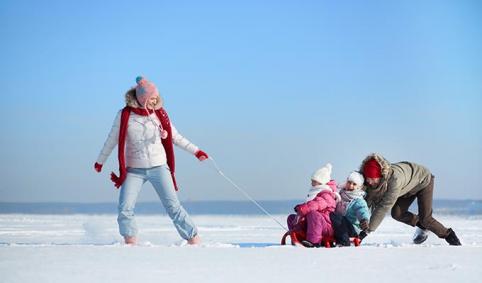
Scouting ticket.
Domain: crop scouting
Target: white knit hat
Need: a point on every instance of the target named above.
(356, 178)
(322, 175)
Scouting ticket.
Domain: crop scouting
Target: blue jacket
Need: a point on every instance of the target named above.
(354, 210)
(357, 210)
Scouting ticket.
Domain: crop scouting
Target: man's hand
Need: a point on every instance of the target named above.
(362, 235)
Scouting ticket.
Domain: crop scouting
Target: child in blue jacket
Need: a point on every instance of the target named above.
(351, 210)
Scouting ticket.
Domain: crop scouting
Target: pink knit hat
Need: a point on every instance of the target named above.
(145, 90)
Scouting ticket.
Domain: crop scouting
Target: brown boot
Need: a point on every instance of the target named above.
(452, 239)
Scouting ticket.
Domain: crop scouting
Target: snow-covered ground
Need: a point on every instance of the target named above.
(87, 248)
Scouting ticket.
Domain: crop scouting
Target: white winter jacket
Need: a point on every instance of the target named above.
(144, 147)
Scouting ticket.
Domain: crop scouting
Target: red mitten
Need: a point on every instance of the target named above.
(98, 167)
(201, 155)
(118, 180)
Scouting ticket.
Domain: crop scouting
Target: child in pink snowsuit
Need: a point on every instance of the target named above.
(313, 216)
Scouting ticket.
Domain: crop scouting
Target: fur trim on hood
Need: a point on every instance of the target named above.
(384, 164)
(131, 100)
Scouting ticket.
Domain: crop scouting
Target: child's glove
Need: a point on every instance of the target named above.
(98, 167)
(364, 224)
(201, 155)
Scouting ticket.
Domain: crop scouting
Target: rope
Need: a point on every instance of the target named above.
(244, 193)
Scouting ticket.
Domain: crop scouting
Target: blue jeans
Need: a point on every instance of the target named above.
(161, 180)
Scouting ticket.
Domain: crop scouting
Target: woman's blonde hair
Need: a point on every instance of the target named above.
(131, 99)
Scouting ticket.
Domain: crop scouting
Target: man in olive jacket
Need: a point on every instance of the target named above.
(395, 186)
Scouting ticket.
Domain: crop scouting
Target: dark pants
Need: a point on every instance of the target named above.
(343, 229)
(424, 218)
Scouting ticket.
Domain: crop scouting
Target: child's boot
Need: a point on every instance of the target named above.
(308, 244)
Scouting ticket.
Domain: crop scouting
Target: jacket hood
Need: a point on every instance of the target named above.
(384, 164)
(131, 100)
(375, 195)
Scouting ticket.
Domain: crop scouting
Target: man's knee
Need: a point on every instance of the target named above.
(396, 213)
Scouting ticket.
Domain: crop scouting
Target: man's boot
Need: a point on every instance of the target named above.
(421, 234)
(452, 239)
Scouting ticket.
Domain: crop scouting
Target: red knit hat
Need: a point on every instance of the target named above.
(372, 169)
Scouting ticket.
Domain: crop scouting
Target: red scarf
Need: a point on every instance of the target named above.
(167, 142)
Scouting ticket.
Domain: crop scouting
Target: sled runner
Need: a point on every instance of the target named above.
(327, 242)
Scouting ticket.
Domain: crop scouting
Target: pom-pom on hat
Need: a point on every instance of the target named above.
(145, 90)
(372, 169)
(356, 178)
(322, 175)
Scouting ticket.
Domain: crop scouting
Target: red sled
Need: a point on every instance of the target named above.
(328, 242)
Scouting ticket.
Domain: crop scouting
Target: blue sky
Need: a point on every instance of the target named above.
(271, 90)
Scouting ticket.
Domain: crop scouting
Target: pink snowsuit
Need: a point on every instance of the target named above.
(316, 215)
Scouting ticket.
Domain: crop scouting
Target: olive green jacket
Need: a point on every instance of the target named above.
(402, 179)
